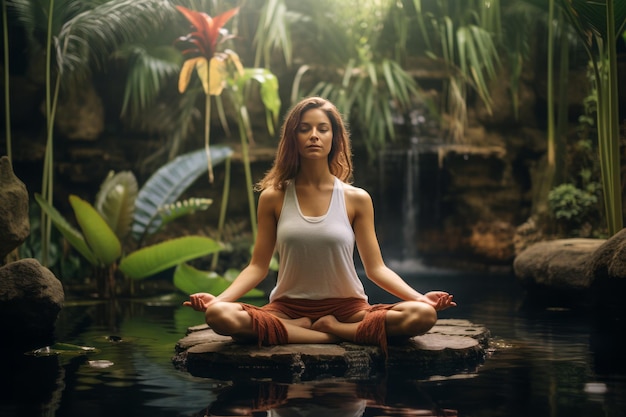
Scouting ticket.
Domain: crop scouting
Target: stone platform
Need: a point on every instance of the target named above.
(451, 346)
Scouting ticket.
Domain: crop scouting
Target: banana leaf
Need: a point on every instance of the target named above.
(150, 260)
(167, 184)
(191, 280)
(115, 201)
(99, 236)
(73, 236)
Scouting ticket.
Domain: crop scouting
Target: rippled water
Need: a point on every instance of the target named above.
(547, 361)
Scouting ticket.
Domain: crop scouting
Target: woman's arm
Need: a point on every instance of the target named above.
(257, 269)
(361, 213)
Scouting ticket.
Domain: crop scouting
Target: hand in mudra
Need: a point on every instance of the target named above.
(439, 300)
(199, 301)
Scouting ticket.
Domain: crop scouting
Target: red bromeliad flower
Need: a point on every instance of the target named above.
(199, 49)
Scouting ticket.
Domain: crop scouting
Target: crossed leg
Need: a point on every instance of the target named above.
(406, 319)
(409, 318)
(230, 319)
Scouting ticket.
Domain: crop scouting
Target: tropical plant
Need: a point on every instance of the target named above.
(463, 37)
(220, 70)
(559, 40)
(154, 64)
(191, 280)
(165, 186)
(62, 262)
(598, 24)
(238, 89)
(571, 205)
(358, 74)
(273, 33)
(88, 35)
(78, 36)
(119, 210)
(200, 51)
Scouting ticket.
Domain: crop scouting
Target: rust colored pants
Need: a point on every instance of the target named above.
(271, 331)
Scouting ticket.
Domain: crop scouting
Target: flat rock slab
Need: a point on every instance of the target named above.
(451, 346)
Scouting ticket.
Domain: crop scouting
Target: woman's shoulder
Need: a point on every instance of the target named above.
(355, 194)
(272, 196)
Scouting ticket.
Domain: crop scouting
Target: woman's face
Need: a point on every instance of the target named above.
(314, 135)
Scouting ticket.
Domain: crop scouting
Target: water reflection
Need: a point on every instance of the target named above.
(324, 398)
(546, 362)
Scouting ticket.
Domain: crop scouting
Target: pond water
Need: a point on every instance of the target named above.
(547, 361)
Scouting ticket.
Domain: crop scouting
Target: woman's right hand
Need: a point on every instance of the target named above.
(199, 301)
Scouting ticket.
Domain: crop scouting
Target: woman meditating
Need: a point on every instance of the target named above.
(310, 214)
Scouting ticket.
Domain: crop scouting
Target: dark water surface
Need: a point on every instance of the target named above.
(547, 361)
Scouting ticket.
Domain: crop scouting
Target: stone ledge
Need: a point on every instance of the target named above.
(452, 346)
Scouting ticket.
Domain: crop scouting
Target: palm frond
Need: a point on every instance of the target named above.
(33, 17)
(149, 71)
(479, 58)
(88, 39)
(272, 33)
(369, 92)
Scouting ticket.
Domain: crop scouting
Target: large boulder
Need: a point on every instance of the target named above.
(607, 268)
(14, 223)
(577, 270)
(557, 264)
(31, 298)
(608, 262)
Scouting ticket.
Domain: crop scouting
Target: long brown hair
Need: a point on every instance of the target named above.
(287, 160)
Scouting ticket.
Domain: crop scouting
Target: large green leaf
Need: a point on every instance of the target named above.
(150, 260)
(191, 280)
(268, 84)
(73, 236)
(167, 184)
(99, 236)
(116, 201)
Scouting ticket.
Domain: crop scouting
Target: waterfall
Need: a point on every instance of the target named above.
(399, 205)
(410, 202)
(401, 192)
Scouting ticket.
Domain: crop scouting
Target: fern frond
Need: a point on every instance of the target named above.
(173, 211)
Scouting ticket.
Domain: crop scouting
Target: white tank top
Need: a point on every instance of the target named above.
(316, 253)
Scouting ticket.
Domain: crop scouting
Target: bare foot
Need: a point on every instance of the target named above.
(304, 322)
(325, 324)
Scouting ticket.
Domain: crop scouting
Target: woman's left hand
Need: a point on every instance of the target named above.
(440, 300)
